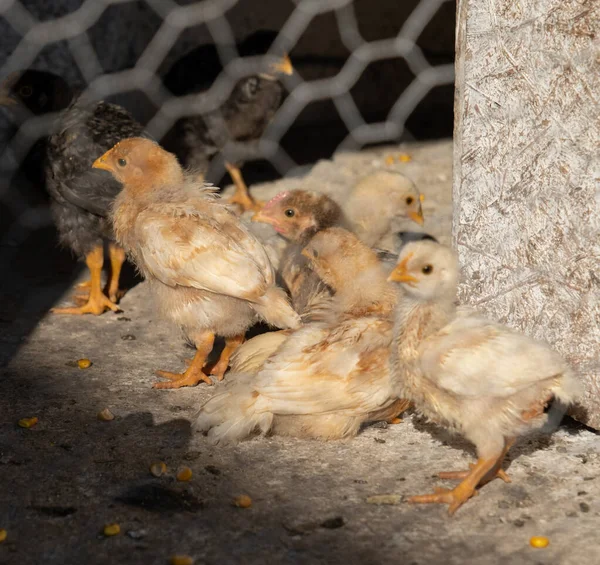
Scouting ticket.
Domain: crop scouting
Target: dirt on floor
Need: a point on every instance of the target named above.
(66, 478)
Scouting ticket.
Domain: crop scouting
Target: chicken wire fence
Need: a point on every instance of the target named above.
(32, 35)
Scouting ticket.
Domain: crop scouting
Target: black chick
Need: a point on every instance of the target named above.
(241, 119)
(81, 197)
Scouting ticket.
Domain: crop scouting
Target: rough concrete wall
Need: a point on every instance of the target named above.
(527, 173)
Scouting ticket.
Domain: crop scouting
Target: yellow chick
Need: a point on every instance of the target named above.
(327, 378)
(209, 275)
(473, 376)
(378, 202)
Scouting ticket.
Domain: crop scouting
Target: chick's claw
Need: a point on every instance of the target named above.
(455, 498)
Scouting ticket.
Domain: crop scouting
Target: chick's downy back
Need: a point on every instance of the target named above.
(326, 378)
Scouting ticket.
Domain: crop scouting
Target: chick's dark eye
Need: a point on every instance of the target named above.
(315, 253)
(290, 213)
(410, 200)
(122, 162)
(26, 91)
(251, 87)
(427, 269)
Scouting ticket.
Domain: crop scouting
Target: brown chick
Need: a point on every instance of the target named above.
(208, 274)
(298, 215)
(378, 202)
(328, 377)
(474, 376)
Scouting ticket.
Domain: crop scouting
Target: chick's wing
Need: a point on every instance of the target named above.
(208, 250)
(475, 357)
(311, 374)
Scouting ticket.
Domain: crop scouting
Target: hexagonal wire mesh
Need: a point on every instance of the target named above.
(95, 37)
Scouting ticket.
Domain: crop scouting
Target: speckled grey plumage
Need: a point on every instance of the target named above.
(82, 196)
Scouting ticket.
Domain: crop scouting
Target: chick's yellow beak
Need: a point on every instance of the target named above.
(284, 66)
(102, 162)
(263, 218)
(417, 216)
(400, 273)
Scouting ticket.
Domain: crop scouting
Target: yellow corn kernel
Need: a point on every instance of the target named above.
(539, 541)
(184, 474)
(106, 415)
(389, 160)
(181, 560)
(27, 422)
(84, 363)
(158, 468)
(404, 158)
(3, 535)
(242, 501)
(112, 529)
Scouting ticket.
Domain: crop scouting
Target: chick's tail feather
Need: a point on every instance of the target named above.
(275, 309)
(233, 416)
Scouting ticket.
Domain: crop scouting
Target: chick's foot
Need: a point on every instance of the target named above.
(194, 373)
(399, 407)
(97, 303)
(456, 497)
(242, 194)
(190, 377)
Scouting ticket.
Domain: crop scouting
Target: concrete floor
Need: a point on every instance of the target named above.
(65, 478)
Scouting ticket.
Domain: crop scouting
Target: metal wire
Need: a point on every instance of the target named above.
(70, 33)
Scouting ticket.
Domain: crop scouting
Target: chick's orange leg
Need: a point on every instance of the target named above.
(193, 374)
(97, 303)
(456, 497)
(117, 258)
(460, 475)
(496, 473)
(231, 344)
(242, 194)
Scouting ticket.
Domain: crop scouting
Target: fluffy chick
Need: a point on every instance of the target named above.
(298, 215)
(241, 120)
(208, 273)
(81, 198)
(328, 377)
(474, 376)
(378, 201)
